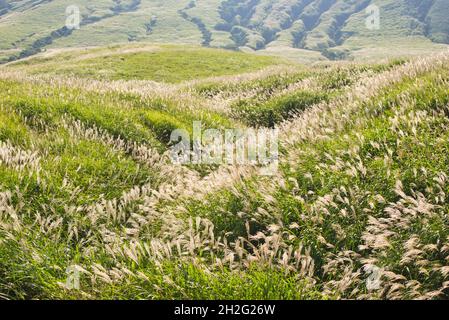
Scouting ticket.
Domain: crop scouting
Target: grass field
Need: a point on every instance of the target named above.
(86, 182)
(162, 63)
(302, 30)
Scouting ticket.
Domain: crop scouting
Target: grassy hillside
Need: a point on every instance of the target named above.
(85, 181)
(164, 63)
(321, 29)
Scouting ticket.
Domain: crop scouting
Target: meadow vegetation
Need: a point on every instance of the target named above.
(86, 181)
(163, 63)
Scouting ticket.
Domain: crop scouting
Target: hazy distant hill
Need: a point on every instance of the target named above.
(333, 28)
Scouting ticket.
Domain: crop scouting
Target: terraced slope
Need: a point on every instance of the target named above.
(302, 29)
(86, 185)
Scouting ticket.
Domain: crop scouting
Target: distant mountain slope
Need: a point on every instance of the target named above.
(335, 28)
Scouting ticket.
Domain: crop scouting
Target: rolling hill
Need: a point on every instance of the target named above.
(302, 29)
(161, 63)
(87, 186)
(95, 205)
